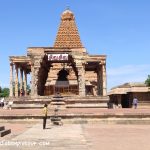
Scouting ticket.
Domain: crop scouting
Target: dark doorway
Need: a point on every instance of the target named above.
(63, 75)
(89, 90)
(62, 83)
(125, 101)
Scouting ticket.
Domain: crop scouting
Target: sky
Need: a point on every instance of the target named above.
(119, 29)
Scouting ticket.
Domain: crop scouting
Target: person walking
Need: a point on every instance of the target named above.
(135, 102)
(45, 110)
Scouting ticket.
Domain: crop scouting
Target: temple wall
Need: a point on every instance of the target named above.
(53, 72)
(142, 96)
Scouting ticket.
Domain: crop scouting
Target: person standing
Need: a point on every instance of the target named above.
(135, 102)
(45, 110)
(2, 102)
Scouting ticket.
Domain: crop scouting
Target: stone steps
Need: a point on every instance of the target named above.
(27, 106)
(31, 104)
(4, 131)
(88, 105)
(110, 116)
(70, 102)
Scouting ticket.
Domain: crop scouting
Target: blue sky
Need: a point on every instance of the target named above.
(118, 28)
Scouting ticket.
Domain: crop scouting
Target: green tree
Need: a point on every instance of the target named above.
(147, 81)
(4, 92)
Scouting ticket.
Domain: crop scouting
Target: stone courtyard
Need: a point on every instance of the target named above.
(29, 134)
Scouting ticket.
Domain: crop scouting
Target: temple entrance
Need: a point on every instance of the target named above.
(89, 90)
(125, 101)
(62, 83)
(63, 75)
(61, 78)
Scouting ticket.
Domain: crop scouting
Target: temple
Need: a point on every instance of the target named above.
(65, 68)
(123, 94)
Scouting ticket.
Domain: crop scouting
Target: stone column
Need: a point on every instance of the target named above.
(99, 80)
(35, 76)
(16, 80)
(36, 64)
(104, 80)
(11, 80)
(21, 79)
(81, 80)
(32, 80)
(25, 82)
(36, 70)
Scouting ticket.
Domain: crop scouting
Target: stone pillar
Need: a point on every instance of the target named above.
(35, 75)
(32, 80)
(36, 70)
(104, 79)
(25, 82)
(81, 80)
(36, 64)
(99, 80)
(21, 79)
(16, 80)
(11, 80)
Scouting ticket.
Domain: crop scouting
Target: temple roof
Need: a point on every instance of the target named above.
(68, 36)
(130, 84)
(129, 87)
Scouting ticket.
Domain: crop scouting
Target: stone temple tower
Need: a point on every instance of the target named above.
(68, 35)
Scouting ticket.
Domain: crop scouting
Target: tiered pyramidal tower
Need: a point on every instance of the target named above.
(68, 36)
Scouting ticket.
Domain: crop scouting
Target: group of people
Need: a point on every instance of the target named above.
(5, 104)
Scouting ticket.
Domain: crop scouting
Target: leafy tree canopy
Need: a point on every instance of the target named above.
(4, 92)
(147, 81)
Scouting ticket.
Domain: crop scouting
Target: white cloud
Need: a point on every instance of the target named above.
(128, 73)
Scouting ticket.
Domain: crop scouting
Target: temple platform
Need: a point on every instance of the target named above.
(70, 102)
(83, 115)
(76, 109)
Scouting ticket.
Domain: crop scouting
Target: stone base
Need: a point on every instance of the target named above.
(56, 120)
(58, 103)
(59, 107)
(3, 131)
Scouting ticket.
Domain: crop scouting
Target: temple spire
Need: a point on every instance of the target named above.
(68, 36)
